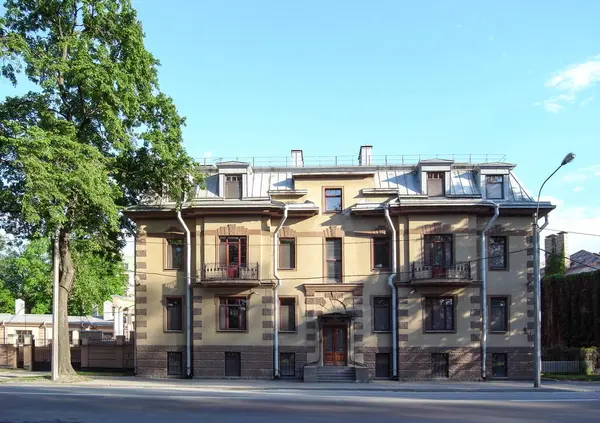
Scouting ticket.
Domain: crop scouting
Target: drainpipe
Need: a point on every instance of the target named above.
(276, 293)
(188, 295)
(484, 270)
(392, 286)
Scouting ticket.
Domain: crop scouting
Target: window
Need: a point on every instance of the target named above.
(438, 253)
(287, 314)
(70, 337)
(435, 184)
(333, 200)
(439, 314)
(287, 364)
(499, 365)
(232, 313)
(497, 253)
(333, 259)
(233, 364)
(287, 253)
(498, 314)
(439, 365)
(174, 253)
(233, 186)
(174, 363)
(22, 334)
(381, 253)
(174, 314)
(382, 314)
(382, 365)
(494, 187)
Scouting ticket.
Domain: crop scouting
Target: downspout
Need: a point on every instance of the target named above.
(484, 270)
(188, 294)
(276, 293)
(392, 286)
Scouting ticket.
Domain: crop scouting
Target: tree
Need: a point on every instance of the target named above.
(96, 135)
(556, 264)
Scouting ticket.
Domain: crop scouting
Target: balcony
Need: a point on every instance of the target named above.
(426, 275)
(220, 274)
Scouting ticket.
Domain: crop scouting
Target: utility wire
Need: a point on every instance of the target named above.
(387, 272)
(572, 232)
(568, 258)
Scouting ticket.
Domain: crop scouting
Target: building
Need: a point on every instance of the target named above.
(557, 244)
(583, 261)
(345, 266)
(18, 328)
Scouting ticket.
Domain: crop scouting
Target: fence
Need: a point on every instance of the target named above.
(570, 360)
(574, 367)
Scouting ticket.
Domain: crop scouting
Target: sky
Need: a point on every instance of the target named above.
(520, 78)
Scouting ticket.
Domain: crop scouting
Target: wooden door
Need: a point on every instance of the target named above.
(334, 345)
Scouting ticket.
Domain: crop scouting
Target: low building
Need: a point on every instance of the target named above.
(16, 329)
(583, 261)
(327, 267)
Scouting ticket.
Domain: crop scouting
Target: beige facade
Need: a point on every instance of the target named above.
(329, 315)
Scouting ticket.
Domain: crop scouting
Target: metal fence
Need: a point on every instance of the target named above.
(574, 367)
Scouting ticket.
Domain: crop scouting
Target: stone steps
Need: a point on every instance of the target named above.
(336, 374)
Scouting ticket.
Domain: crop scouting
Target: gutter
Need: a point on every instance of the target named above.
(188, 295)
(484, 270)
(391, 284)
(276, 293)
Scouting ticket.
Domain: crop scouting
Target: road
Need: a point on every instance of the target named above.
(45, 403)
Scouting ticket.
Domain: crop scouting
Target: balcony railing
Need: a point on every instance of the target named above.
(421, 271)
(230, 272)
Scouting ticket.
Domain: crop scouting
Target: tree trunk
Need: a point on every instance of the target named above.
(67, 275)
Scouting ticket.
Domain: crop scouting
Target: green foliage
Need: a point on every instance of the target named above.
(556, 264)
(571, 310)
(27, 274)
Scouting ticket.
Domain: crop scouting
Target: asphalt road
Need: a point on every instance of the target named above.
(73, 404)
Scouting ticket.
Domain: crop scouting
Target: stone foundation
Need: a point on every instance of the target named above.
(519, 361)
(369, 354)
(300, 358)
(256, 361)
(152, 359)
(415, 363)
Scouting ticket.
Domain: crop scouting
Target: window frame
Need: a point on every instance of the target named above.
(506, 265)
(429, 241)
(373, 306)
(424, 313)
(505, 357)
(295, 314)
(501, 183)
(340, 260)
(218, 309)
(21, 333)
(166, 245)
(179, 373)
(505, 298)
(239, 179)
(374, 241)
(166, 298)
(325, 197)
(294, 253)
(443, 179)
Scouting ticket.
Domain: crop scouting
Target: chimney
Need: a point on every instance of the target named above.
(297, 158)
(19, 307)
(364, 157)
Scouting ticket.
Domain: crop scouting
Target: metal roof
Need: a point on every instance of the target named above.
(39, 319)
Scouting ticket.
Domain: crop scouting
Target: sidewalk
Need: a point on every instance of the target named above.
(132, 382)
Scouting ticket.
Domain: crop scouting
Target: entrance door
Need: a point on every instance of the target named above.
(438, 254)
(334, 345)
(233, 255)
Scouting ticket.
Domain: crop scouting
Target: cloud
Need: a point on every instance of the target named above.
(492, 38)
(582, 174)
(571, 81)
(578, 189)
(575, 218)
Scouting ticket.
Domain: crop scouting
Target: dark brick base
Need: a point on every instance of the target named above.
(256, 361)
(300, 356)
(414, 363)
(152, 359)
(519, 361)
(369, 358)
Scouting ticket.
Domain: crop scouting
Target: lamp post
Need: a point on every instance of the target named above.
(537, 280)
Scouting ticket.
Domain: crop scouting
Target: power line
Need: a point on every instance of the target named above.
(388, 272)
(568, 258)
(572, 232)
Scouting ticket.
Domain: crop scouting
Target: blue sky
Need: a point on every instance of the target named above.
(258, 78)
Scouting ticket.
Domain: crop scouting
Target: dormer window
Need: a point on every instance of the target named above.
(233, 186)
(494, 187)
(435, 184)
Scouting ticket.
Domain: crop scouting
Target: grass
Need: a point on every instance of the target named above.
(572, 377)
(26, 379)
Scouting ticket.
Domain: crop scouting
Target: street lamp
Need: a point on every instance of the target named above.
(537, 280)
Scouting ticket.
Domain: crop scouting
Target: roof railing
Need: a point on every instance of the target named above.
(353, 160)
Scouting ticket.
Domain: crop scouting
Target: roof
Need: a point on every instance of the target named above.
(583, 261)
(39, 319)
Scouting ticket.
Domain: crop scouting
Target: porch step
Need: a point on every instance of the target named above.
(336, 374)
